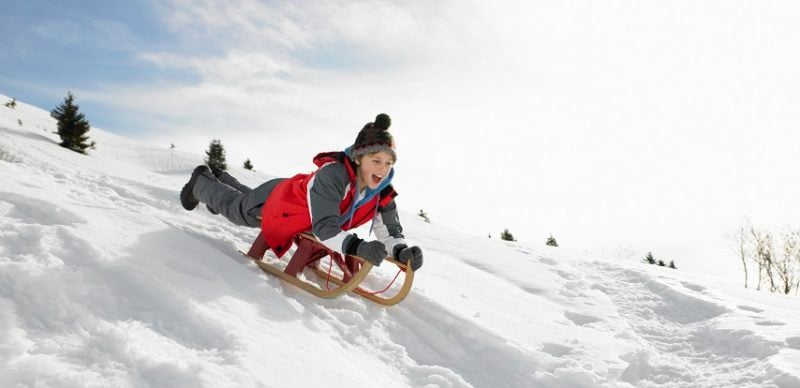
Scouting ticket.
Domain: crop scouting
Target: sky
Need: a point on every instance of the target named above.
(616, 126)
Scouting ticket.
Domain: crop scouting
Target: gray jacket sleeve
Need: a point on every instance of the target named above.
(387, 228)
(325, 193)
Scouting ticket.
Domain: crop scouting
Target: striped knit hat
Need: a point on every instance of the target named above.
(374, 137)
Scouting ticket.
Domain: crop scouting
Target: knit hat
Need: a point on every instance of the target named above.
(374, 137)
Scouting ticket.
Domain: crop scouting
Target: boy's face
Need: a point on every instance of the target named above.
(373, 168)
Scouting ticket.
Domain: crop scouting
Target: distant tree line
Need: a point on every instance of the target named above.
(505, 235)
(215, 157)
(772, 258)
(650, 259)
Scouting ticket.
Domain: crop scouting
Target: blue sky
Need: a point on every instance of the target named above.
(57, 46)
(617, 126)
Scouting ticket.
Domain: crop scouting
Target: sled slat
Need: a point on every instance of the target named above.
(342, 289)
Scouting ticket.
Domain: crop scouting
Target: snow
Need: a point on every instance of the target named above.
(106, 281)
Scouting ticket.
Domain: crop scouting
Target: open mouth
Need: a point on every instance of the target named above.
(376, 179)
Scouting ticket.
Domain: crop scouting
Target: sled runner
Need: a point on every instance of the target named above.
(351, 270)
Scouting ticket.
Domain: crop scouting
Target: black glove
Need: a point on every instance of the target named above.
(372, 251)
(410, 256)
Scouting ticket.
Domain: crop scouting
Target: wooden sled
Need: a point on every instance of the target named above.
(353, 270)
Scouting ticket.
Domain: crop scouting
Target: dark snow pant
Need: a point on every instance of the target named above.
(237, 202)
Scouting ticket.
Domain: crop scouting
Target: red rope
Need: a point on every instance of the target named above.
(387, 287)
(328, 281)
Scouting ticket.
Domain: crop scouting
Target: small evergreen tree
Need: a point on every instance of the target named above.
(216, 155)
(661, 263)
(171, 146)
(19, 121)
(12, 104)
(551, 241)
(672, 264)
(72, 125)
(649, 259)
(248, 165)
(507, 236)
(424, 216)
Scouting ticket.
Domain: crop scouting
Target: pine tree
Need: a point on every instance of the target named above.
(649, 259)
(72, 125)
(672, 264)
(216, 155)
(661, 263)
(551, 241)
(424, 216)
(507, 236)
(248, 165)
(12, 104)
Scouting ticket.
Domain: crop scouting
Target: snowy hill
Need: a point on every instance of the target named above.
(105, 281)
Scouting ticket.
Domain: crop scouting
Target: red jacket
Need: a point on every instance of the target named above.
(286, 211)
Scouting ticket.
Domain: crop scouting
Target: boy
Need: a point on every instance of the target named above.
(347, 190)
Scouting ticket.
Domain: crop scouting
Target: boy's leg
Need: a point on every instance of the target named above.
(227, 200)
(229, 180)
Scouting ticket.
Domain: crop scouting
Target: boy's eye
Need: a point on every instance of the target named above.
(378, 162)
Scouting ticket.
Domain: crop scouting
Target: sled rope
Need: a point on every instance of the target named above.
(328, 280)
(387, 287)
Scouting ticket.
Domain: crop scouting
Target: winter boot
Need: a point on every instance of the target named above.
(188, 200)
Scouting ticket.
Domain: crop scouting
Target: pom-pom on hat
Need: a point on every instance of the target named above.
(374, 137)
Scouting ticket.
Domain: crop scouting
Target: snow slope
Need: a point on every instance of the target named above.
(105, 281)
